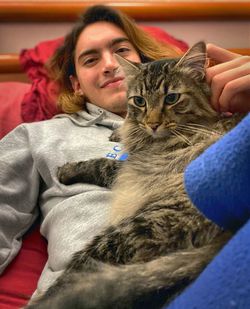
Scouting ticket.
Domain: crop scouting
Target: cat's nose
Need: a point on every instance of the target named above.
(154, 125)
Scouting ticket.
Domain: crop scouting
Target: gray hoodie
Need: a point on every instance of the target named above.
(72, 215)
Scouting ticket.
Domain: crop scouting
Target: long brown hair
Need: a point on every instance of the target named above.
(62, 63)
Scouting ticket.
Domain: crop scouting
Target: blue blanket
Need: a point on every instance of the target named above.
(218, 183)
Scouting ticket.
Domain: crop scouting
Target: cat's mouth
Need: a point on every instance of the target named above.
(158, 130)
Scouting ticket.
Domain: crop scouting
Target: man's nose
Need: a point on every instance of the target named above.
(110, 63)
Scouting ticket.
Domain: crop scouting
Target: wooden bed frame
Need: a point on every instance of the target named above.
(147, 10)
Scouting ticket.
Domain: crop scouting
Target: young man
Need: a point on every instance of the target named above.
(94, 101)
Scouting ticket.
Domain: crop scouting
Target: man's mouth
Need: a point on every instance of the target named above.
(113, 83)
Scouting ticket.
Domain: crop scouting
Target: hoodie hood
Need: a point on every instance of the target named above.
(94, 115)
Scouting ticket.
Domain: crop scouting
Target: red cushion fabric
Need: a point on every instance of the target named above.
(40, 102)
(19, 280)
(11, 97)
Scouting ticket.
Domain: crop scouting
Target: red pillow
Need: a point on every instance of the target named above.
(40, 102)
(11, 97)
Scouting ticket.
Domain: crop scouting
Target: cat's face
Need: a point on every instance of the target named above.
(165, 94)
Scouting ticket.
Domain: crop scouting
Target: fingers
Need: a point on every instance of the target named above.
(235, 97)
(220, 54)
(224, 66)
(229, 80)
(222, 79)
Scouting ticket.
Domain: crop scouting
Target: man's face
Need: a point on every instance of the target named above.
(98, 77)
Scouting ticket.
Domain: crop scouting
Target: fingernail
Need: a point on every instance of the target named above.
(226, 114)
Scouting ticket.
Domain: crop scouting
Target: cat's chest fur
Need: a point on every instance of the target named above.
(153, 173)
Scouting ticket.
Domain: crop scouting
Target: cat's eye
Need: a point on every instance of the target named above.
(139, 101)
(171, 98)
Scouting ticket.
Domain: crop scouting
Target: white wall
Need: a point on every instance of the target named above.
(229, 34)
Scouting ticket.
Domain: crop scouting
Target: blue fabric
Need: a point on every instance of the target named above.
(123, 157)
(218, 183)
(225, 283)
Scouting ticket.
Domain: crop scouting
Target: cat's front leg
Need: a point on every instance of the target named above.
(115, 136)
(101, 172)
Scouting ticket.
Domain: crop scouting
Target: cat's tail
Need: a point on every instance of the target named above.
(146, 285)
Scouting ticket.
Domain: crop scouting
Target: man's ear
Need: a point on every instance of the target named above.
(76, 85)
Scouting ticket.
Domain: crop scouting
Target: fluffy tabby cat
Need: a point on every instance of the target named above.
(158, 241)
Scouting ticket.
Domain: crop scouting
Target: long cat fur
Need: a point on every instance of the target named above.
(157, 241)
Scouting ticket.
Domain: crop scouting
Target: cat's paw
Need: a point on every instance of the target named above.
(66, 173)
(115, 136)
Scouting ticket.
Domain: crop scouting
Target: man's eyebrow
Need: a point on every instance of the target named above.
(119, 40)
(86, 53)
(95, 50)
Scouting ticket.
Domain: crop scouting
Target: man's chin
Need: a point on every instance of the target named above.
(119, 108)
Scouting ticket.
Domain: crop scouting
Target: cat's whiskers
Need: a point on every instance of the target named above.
(210, 131)
(197, 129)
(192, 130)
(181, 136)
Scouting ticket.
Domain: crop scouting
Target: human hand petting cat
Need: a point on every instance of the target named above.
(229, 80)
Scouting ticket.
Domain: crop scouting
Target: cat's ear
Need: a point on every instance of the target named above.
(194, 61)
(130, 68)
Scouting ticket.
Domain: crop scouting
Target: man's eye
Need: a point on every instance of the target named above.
(89, 61)
(122, 50)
